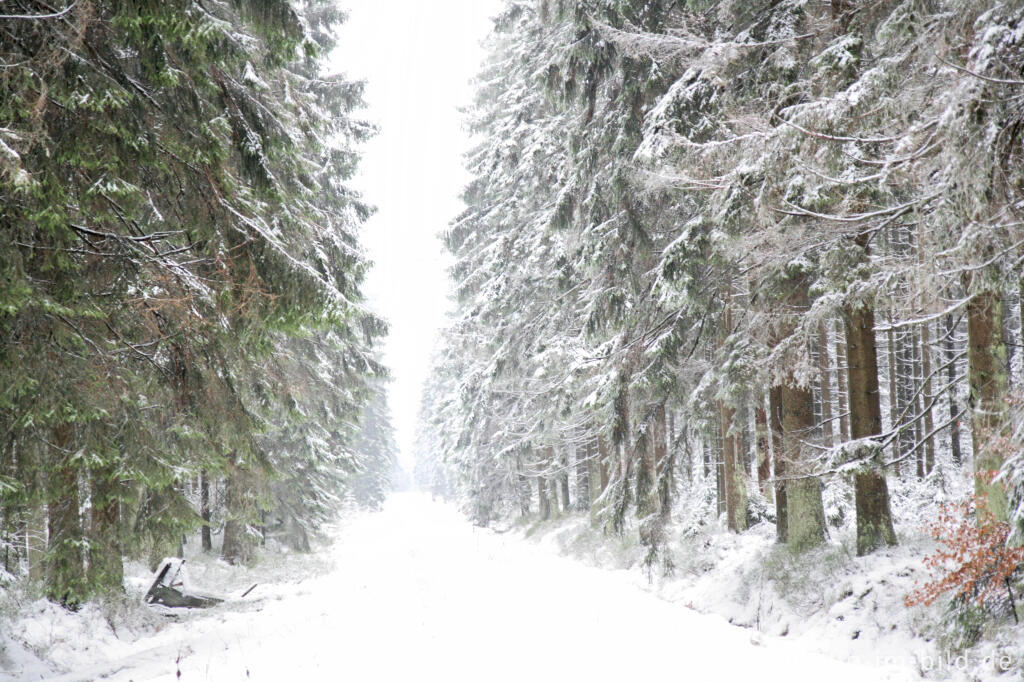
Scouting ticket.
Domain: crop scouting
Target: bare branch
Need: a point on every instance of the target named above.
(31, 17)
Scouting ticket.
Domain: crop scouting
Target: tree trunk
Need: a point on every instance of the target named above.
(733, 482)
(844, 417)
(561, 480)
(764, 457)
(909, 385)
(606, 462)
(825, 369)
(106, 567)
(523, 488)
(598, 475)
(894, 402)
(204, 510)
(1007, 306)
(926, 396)
(874, 517)
(805, 512)
(986, 357)
(581, 452)
(544, 500)
(1020, 329)
(552, 484)
(35, 541)
(65, 566)
(662, 462)
(718, 463)
(775, 423)
(238, 547)
(954, 408)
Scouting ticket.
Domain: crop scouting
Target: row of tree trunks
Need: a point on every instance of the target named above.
(790, 423)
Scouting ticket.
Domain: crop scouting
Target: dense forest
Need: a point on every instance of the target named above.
(724, 268)
(184, 344)
(760, 262)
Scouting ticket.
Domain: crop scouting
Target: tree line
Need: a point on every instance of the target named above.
(183, 339)
(764, 257)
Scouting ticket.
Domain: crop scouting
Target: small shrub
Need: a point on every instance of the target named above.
(973, 560)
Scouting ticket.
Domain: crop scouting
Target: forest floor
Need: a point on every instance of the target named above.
(413, 592)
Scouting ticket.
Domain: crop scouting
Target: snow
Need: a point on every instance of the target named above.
(826, 600)
(416, 591)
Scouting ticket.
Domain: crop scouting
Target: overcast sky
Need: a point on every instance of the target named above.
(418, 59)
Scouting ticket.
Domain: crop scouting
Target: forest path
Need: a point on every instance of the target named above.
(419, 593)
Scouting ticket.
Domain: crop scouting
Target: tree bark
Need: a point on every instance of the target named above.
(825, 369)
(986, 357)
(542, 496)
(720, 467)
(65, 566)
(805, 512)
(552, 484)
(844, 417)
(705, 449)
(106, 567)
(662, 462)
(954, 408)
(894, 399)
(581, 453)
(605, 461)
(36, 541)
(204, 511)
(238, 547)
(926, 398)
(563, 480)
(775, 423)
(598, 454)
(735, 489)
(874, 517)
(764, 456)
(1020, 329)
(1006, 299)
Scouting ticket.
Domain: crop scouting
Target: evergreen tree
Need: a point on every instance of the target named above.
(176, 224)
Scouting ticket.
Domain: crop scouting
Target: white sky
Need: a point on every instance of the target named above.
(418, 58)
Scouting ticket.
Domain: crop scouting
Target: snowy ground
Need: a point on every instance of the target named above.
(415, 591)
(826, 600)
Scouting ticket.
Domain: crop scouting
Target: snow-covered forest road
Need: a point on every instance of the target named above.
(419, 593)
